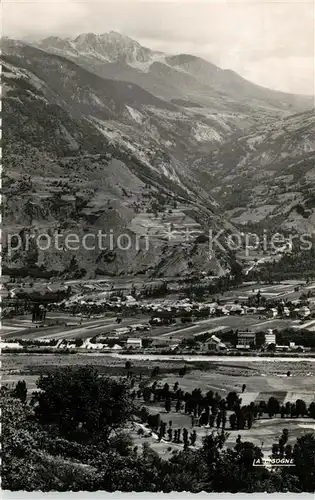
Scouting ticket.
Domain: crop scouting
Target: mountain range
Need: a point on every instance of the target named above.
(102, 133)
(112, 55)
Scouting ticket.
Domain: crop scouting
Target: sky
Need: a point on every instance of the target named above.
(269, 42)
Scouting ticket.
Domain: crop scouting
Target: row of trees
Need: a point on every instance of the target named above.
(160, 427)
(211, 408)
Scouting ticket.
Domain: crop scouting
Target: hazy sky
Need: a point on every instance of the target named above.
(269, 42)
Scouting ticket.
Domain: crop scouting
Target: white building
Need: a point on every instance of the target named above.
(286, 311)
(130, 298)
(95, 347)
(245, 340)
(10, 345)
(270, 337)
(87, 344)
(282, 348)
(223, 310)
(140, 327)
(272, 313)
(122, 331)
(133, 343)
(237, 309)
(250, 310)
(116, 347)
(304, 312)
(214, 343)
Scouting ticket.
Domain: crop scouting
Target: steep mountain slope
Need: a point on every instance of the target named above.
(183, 77)
(71, 168)
(267, 177)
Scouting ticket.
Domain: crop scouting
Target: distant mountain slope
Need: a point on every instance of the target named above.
(183, 76)
(266, 177)
(71, 167)
(241, 90)
(163, 135)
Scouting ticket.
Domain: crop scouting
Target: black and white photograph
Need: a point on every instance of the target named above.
(157, 246)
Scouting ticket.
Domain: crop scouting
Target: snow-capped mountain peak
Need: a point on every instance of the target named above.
(110, 47)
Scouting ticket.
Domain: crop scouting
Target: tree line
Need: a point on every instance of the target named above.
(212, 410)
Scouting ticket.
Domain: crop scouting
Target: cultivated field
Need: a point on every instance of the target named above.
(63, 326)
(262, 380)
(283, 290)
